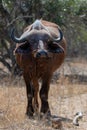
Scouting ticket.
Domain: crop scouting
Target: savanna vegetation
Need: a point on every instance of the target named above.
(71, 15)
(68, 91)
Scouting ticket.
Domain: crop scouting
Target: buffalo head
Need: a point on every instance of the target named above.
(39, 40)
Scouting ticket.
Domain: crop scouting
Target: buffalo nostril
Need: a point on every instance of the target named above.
(38, 54)
(41, 54)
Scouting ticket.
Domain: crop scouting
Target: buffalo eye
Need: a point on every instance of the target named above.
(25, 46)
(52, 46)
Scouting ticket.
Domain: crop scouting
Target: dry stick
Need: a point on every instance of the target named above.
(20, 17)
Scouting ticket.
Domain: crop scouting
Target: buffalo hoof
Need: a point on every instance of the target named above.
(29, 115)
(30, 112)
(46, 115)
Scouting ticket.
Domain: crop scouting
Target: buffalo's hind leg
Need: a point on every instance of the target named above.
(44, 97)
(30, 95)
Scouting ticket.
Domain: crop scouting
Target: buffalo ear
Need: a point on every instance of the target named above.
(54, 47)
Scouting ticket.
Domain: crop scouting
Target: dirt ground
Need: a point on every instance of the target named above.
(67, 96)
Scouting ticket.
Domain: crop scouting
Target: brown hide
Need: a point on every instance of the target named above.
(43, 67)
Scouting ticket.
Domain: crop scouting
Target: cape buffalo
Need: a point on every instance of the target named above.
(40, 51)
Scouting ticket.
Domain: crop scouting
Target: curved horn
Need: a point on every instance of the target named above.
(15, 39)
(59, 38)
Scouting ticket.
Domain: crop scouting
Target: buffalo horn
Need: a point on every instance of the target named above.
(15, 39)
(59, 38)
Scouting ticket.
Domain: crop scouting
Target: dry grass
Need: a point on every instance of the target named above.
(65, 100)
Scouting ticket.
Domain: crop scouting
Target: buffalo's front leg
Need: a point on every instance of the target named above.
(44, 97)
(30, 95)
(36, 89)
